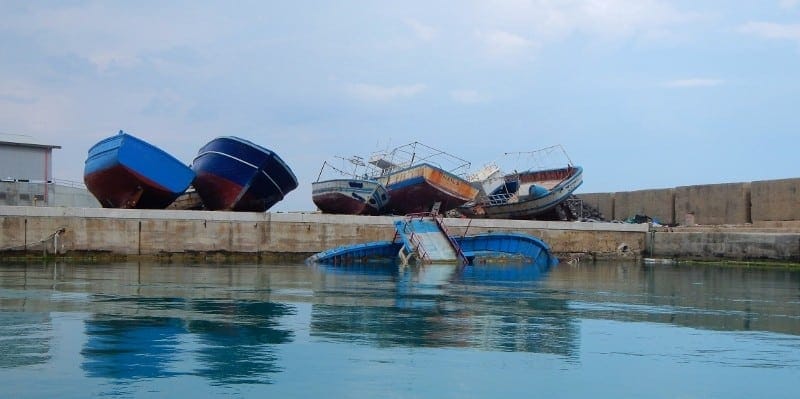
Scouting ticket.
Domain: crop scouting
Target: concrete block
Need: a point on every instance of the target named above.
(726, 245)
(775, 200)
(657, 204)
(603, 202)
(713, 204)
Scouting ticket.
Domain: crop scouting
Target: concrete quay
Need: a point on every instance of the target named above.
(131, 233)
(62, 231)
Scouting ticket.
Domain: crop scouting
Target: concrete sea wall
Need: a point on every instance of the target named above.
(768, 202)
(127, 232)
(133, 233)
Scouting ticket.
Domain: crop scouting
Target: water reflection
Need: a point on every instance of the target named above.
(131, 348)
(24, 339)
(240, 351)
(698, 296)
(444, 305)
(233, 340)
(234, 324)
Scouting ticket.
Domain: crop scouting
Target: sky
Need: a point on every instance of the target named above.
(642, 94)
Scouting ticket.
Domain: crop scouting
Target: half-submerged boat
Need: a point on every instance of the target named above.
(351, 193)
(235, 174)
(417, 181)
(525, 195)
(123, 171)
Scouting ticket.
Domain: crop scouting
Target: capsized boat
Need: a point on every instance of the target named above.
(525, 195)
(123, 171)
(236, 174)
(420, 178)
(477, 249)
(351, 193)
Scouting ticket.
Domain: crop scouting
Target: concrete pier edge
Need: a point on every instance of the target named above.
(133, 233)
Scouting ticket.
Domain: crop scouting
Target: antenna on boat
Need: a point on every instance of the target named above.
(321, 169)
(546, 150)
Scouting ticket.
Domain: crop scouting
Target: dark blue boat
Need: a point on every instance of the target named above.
(123, 171)
(235, 174)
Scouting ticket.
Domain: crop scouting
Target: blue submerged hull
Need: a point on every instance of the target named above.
(123, 171)
(235, 174)
(476, 248)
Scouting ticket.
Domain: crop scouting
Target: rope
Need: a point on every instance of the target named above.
(60, 230)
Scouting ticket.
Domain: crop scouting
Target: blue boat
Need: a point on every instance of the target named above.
(123, 171)
(476, 249)
(234, 174)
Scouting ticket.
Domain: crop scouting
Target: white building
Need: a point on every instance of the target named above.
(26, 175)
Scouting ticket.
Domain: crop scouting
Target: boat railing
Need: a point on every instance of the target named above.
(497, 199)
(419, 247)
(457, 248)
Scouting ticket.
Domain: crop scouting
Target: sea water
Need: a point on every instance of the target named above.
(612, 329)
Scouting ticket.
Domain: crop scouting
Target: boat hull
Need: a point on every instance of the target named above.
(529, 208)
(480, 247)
(417, 188)
(349, 197)
(123, 171)
(235, 174)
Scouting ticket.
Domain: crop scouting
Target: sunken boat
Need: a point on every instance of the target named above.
(351, 192)
(234, 174)
(420, 178)
(123, 171)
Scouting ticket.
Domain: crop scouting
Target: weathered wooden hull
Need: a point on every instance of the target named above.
(235, 174)
(529, 208)
(349, 196)
(419, 187)
(123, 171)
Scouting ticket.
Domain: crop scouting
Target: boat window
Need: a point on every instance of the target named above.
(356, 184)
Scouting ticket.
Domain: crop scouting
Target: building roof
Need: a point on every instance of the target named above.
(23, 141)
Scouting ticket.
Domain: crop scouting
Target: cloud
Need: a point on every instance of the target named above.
(789, 3)
(769, 30)
(369, 92)
(421, 31)
(467, 96)
(107, 61)
(693, 82)
(553, 20)
(502, 44)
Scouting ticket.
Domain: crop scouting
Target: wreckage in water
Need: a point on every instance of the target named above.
(424, 239)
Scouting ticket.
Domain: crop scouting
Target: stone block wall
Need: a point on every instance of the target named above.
(775, 200)
(713, 204)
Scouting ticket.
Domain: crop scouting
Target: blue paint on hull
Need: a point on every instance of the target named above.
(477, 247)
(123, 171)
(236, 174)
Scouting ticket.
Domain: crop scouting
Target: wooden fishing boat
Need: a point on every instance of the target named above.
(526, 195)
(349, 192)
(417, 181)
(238, 175)
(420, 187)
(123, 171)
(349, 196)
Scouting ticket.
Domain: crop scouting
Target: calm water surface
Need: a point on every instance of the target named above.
(590, 330)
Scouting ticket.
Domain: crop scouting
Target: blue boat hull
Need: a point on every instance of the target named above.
(235, 174)
(482, 247)
(123, 171)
